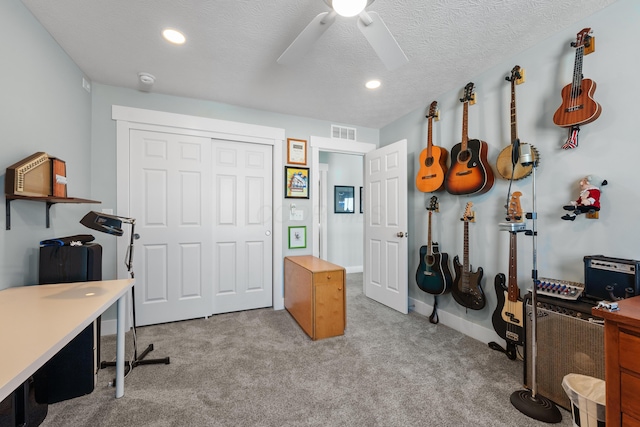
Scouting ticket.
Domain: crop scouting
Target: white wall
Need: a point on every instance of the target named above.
(345, 230)
(608, 148)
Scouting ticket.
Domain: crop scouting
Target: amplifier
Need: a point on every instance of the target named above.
(570, 340)
(603, 274)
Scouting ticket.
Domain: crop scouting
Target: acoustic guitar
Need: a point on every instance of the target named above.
(578, 106)
(508, 317)
(433, 159)
(507, 164)
(433, 275)
(467, 290)
(470, 172)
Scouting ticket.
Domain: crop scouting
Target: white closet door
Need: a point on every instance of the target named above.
(242, 220)
(170, 191)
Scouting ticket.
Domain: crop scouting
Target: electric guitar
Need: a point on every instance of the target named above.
(433, 160)
(508, 317)
(433, 275)
(467, 290)
(507, 164)
(470, 172)
(578, 106)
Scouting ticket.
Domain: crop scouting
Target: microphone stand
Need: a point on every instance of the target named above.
(529, 402)
(137, 359)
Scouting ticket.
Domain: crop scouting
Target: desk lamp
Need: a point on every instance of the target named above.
(112, 224)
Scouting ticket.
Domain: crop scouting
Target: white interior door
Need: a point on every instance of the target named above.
(242, 218)
(385, 233)
(170, 199)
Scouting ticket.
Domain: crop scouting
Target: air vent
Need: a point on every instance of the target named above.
(342, 132)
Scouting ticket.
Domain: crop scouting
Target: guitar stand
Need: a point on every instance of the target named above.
(510, 351)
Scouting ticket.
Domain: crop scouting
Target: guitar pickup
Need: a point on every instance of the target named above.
(512, 226)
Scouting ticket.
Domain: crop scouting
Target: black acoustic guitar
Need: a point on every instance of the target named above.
(467, 290)
(433, 275)
(508, 317)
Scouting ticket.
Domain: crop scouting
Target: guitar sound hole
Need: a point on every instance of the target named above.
(430, 260)
(429, 162)
(464, 156)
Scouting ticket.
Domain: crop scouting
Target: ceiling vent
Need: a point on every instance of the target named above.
(342, 132)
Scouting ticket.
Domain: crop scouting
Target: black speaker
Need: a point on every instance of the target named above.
(72, 371)
(604, 276)
(569, 340)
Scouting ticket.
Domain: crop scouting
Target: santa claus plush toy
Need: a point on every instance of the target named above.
(588, 201)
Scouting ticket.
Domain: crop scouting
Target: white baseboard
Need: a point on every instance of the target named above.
(108, 327)
(354, 269)
(464, 326)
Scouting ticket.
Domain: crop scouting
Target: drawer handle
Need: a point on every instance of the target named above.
(328, 276)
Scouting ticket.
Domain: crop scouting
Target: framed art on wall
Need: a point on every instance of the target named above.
(296, 151)
(343, 199)
(297, 237)
(296, 183)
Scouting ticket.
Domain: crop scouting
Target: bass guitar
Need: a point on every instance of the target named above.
(578, 106)
(507, 164)
(508, 317)
(470, 172)
(433, 159)
(467, 290)
(433, 275)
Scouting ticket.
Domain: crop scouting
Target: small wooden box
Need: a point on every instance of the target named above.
(315, 295)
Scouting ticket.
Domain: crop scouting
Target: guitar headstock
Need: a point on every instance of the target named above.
(433, 204)
(468, 215)
(434, 113)
(514, 210)
(515, 74)
(468, 95)
(582, 38)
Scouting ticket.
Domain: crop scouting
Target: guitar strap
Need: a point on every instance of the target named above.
(572, 140)
(434, 314)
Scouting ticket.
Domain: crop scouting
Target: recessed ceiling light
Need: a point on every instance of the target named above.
(372, 84)
(173, 36)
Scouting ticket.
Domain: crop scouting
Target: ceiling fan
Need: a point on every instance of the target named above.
(369, 23)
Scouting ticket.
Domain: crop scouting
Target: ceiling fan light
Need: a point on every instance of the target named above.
(348, 8)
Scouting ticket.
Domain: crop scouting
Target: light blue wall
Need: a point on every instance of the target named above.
(608, 148)
(43, 107)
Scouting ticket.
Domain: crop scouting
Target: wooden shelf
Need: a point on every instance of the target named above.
(49, 200)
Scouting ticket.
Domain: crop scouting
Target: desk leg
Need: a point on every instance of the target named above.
(121, 307)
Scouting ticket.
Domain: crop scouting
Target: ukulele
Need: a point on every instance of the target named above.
(433, 275)
(578, 106)
(508, 317)
(470, 172)
(507, 164)
(433, 160)
(466, 289)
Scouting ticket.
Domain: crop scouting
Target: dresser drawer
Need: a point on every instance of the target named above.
(328, 277)
(629, 351)
(628, 421)
(629, 394)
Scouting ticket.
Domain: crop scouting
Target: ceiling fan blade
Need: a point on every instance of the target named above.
(307, 38)
(381, 40)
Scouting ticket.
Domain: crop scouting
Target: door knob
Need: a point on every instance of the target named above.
(400, 234)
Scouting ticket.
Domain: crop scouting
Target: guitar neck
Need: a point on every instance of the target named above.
(513, 291)
(429, 249)
(465, 137)
(577, 72)
(429, 143)
(514, 130)
(465, 255)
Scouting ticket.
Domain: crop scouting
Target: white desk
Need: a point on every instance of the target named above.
(38, 321)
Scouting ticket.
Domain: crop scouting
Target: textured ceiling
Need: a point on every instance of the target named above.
(232, 47)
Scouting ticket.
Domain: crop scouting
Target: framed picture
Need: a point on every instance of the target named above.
(296, 151)
(361, 198)
(296, 183)
(343, 199)
(297, 237)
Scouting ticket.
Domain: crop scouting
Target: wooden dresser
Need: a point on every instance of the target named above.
(314, 294)
(622, 363)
